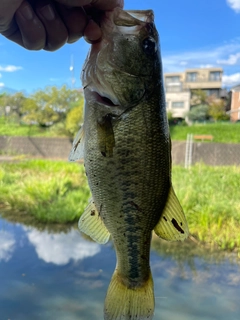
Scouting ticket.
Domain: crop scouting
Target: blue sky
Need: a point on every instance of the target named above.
(193, 34)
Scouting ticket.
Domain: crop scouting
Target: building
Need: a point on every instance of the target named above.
(235, 104)
(179, 88)
(178, 103)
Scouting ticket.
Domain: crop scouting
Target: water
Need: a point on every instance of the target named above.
(46, 276)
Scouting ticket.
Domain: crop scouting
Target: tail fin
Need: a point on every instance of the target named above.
(123, 303)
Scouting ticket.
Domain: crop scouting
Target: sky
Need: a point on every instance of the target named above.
(193, 34)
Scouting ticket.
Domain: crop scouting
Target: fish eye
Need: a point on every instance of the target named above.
(149, 46)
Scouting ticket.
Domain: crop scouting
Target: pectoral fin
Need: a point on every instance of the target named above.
(106, 140)
(172, 224)
(78, 146)
(91, 223)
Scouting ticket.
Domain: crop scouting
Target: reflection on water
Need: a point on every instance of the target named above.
(61, 248)
(7, 243)
(64, 276)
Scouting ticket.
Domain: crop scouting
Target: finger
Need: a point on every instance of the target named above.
(75, 21)
(92, 32)
(74, 3)
(56, 31)
(26, 29)
(99, 4)
(107, 4)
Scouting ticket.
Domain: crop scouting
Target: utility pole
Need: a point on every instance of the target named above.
(73, 80)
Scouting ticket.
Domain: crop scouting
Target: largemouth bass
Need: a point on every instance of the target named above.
(126, 148)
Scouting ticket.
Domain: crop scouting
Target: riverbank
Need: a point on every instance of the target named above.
(43, 190)
(56, 192)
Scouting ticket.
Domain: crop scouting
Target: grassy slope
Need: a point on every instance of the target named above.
(9, 128)
(50, 191)
(225, 133)
(210, 198)
(57, 192)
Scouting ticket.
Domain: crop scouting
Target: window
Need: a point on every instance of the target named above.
(173, 89)
(212, 92)
(178, 104)
(215, 76)
(172, 79)
(191, 76)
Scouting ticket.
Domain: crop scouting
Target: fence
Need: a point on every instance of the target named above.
(183, 152)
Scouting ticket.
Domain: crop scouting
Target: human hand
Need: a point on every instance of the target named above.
(49, 24)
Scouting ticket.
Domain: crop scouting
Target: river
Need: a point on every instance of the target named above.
(63, 275)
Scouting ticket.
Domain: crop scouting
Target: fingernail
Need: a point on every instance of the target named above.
(48, 12)
(26, 11)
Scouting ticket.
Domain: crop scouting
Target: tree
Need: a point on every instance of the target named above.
(36, 114)
(74, 119)
(50, 106)
(217, 110)
(199, 97)
(14, 101)
(199, 113)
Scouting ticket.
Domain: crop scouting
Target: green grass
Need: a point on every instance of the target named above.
(12, 128)
(221, 132)
(48, 191)
(56, 192)
(211, 201)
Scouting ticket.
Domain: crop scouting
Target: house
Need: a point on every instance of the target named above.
(180, 86)
(235, 104)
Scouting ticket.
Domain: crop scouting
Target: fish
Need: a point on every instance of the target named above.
(126, 148)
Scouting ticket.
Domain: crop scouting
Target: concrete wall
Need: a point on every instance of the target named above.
(39, 147)
(209, 153)
(213, 154)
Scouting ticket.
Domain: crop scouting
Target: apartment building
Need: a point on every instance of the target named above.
(179, 88)
(235, 104)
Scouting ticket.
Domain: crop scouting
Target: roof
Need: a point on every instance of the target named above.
(236, 88)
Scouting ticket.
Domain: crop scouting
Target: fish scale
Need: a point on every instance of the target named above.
(126, 148)
(148, 165)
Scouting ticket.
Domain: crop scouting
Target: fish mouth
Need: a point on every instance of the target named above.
(104, 99)
(101, 98)
(132, 18)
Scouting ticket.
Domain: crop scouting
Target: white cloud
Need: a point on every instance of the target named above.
(231, 80)
(232, 59)
(61, 248)
(10, 68)
(2, 85)
(7, 245)
(234, 4)
(183, 63)
(203, 66)
(202, 57)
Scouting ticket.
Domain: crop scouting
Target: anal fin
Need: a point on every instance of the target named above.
(91, 223)
(172, 225)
